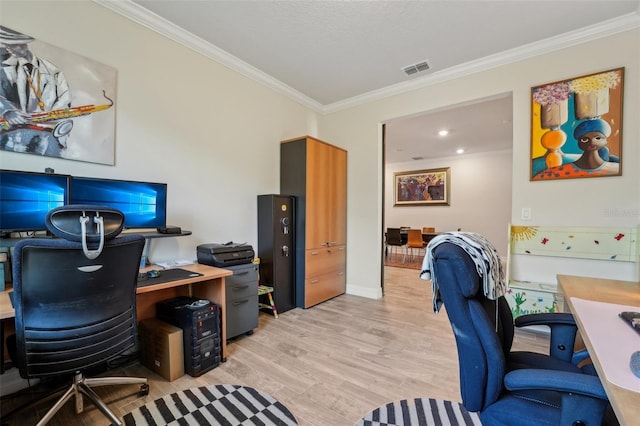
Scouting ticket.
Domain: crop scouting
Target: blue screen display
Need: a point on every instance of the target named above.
(144, 204)
(26, 198)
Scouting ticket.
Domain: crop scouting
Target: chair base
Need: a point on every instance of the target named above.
(403, 248)
(82, 386)
(412, 257)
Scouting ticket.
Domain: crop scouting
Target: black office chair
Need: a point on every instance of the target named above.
(75, 301)
(505, 387)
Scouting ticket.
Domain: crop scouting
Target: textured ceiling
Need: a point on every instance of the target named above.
(335, 50)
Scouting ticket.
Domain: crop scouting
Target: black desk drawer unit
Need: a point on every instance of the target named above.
(242, 299)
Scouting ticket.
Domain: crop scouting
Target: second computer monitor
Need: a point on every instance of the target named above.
(144, 204)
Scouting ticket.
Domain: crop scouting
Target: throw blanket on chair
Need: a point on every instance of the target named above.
(483, 254)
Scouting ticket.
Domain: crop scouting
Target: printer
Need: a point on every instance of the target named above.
(223, 255)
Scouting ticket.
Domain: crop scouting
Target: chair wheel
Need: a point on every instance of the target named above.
(144, 390)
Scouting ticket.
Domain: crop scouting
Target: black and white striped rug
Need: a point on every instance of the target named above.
(420, 412)
(227, 405)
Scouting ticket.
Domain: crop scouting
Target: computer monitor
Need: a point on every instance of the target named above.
(144, 204)
(27, 197)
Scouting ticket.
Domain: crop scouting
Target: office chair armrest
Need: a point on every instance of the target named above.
(563, 331)
(561, 381)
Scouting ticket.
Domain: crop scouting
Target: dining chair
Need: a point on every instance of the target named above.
(394, 239)
(414, 241)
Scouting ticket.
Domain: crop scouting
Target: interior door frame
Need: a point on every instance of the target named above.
(382, 248)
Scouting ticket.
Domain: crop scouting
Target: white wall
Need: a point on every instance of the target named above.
(210, 133)
(592, 202)
(480, 197)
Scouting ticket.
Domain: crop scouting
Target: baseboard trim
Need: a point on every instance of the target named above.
(370, 293)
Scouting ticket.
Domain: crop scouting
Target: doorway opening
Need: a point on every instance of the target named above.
(480, 176)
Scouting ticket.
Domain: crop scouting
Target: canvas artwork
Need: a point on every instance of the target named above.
(54, 102)
(576, 127)
(423, 187)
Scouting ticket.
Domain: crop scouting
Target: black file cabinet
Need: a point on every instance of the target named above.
(242, 300)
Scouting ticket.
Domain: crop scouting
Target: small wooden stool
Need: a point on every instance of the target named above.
(263, 289)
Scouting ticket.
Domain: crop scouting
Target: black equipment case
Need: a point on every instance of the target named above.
(223, 255)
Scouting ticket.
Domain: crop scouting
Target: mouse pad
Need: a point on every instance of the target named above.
(167, 275)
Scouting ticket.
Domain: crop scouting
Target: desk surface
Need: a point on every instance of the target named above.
(625, 403)
(208, 273)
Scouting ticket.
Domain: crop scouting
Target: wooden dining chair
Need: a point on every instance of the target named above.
(428, 230)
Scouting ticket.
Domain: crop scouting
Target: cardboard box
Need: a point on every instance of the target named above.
(161, 348)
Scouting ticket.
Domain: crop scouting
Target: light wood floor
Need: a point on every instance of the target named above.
(329, 364)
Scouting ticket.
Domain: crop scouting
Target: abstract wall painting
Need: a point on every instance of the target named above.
(431, 187)
(54, 102)
(576, 127)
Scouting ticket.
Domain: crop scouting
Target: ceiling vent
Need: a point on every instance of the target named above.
(415, 68)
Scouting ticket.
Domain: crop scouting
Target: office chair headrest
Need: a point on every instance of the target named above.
(469, 282)
(85, 224)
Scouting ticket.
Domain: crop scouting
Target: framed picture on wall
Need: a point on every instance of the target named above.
(430, 187)
(576, 127)
(54, 102)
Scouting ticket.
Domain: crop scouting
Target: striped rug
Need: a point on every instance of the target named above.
(420, 412)
(226, 405)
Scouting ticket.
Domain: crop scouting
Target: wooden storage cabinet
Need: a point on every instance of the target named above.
(315, 172)
(325, 274)
(319, 261)
(324, 287)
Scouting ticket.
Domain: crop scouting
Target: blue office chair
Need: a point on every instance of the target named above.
(75, 301)
(505, 387)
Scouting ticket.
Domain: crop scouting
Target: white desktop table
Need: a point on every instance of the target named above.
(625, 402)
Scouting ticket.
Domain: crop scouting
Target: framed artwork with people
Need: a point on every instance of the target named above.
(576, 127)
(54, 102)
(430, 187)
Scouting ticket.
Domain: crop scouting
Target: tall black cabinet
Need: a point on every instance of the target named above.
(276, 247)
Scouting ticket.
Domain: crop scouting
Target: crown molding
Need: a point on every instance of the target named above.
(144, 17)
(606, 28)
(150, 20)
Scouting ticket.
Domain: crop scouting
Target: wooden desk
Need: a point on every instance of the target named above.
(625, 403)
(210, 286)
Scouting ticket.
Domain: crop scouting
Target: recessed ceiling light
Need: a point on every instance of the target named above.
(460, 151)
(443, 132)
